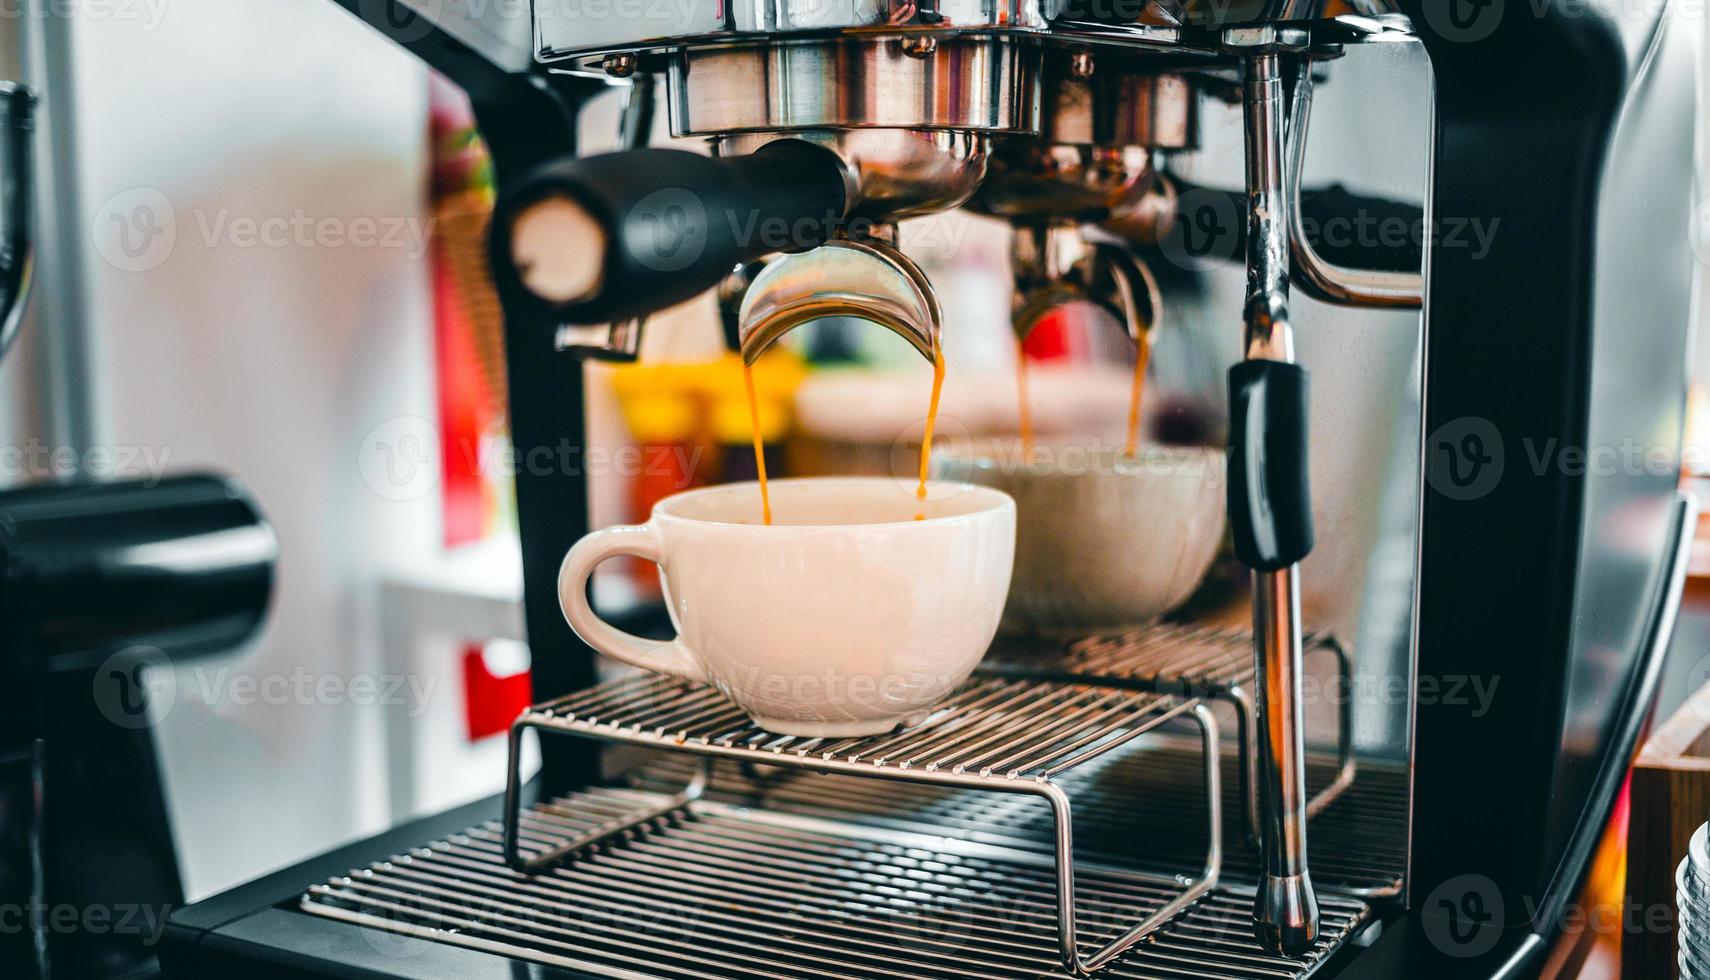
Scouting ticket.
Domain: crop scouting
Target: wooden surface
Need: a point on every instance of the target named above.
(1671, 800)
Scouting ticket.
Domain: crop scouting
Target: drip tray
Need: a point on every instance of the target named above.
(722, 891)
(1358, 844)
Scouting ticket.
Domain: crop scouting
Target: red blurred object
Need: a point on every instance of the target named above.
(463, 400)
(1049, 340)
(466, 397)
(491, 702)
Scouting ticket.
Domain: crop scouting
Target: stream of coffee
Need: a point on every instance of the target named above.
(759, 443)
(1140, 359)
(931, 423)
(925, 442)
(1025, 410)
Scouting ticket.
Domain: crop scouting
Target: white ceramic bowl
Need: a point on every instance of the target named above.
(1102, 540)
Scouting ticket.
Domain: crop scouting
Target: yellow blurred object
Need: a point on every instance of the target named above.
(730, 421)
(668, 402)
(657, 419)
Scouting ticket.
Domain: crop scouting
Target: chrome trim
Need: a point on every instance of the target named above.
(1285, 912)
(1420, 484)
(17, 199)
(869, 280)
(1316, 276)
(1268, 334)
(570, 28)
(1213, 14)
(989, 84)
(892, 173)
(1114, 105)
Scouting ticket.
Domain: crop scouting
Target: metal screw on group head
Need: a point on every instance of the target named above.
(619, 65)
(1081, 65)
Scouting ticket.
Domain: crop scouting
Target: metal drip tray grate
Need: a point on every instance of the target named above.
(1358, 845)
(995, 729)
(717, 892)
(1188, 661)
(1017, 737)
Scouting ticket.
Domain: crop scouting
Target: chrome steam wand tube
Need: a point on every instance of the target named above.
(1270, 512)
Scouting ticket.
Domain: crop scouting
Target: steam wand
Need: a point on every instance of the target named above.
(1271, 512)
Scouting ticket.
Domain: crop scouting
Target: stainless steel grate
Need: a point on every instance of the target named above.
(1189, 662)
(997, 735)
(1358, 845)
(717, 893)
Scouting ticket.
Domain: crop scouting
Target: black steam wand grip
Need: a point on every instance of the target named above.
(1270, 492)
(621, 235)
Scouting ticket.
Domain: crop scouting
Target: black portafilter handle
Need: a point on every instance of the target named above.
(622, 235)
(1270, 493)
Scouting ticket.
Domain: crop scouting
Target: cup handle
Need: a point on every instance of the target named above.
(668, 657)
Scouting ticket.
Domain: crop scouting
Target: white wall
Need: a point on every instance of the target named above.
(269, 361)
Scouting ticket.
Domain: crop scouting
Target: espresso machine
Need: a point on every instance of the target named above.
(1079, 832)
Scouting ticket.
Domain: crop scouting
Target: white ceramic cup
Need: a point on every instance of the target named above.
(845, 616)
(1105, 541)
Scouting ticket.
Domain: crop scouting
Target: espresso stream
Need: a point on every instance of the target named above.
(1025, 411)
(1140, 359)
(925, 442)
(931, 422)
(759, 443)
